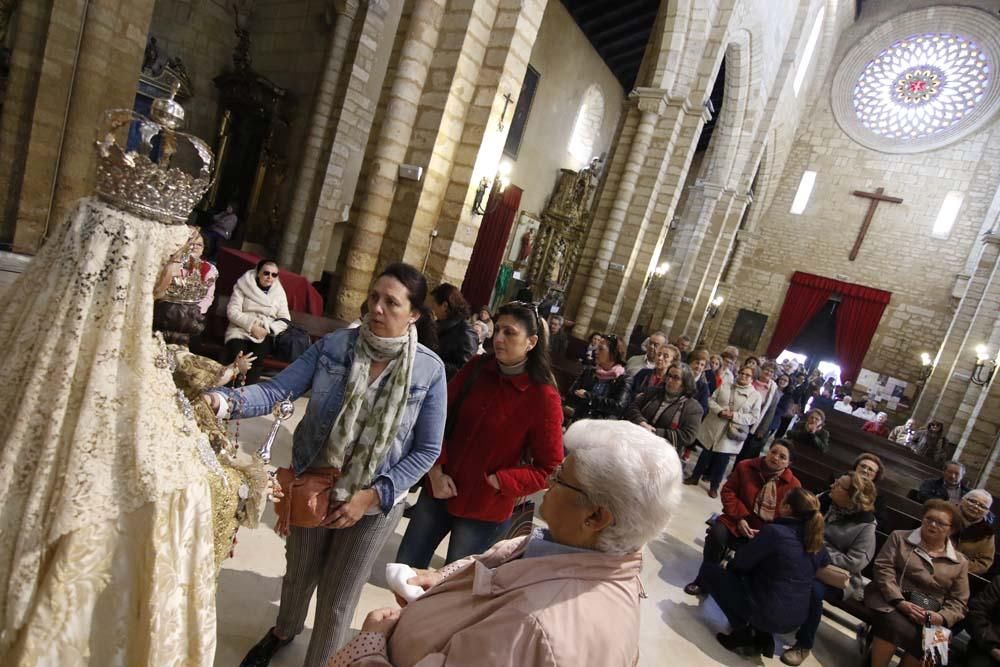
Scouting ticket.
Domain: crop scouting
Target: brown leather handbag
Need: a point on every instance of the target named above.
(306, 500)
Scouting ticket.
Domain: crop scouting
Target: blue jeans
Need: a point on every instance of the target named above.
(806, 635)
(431, 522)
(711, 465)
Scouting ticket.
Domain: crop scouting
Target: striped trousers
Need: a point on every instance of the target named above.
(339, 563)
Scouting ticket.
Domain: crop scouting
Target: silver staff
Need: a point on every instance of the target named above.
(282, 410)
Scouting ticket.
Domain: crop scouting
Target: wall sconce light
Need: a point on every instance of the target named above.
(713, 307)
(926, 366)
(485, 202)
(661, 270)
(985, 367)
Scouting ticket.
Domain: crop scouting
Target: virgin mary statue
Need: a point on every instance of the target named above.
(106, 544)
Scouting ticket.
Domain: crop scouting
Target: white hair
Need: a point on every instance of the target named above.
(634, 474)
(983, 494)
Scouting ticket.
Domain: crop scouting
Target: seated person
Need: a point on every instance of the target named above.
(767, 586)
(921, 561)
(849, 536)
(558, 340)
(670, 410)
(867, 412)
(649, 378)
(949, 486)
(567, 595)
(602, 390)
(983, 623)
(647, 359)
(750, 500)
(904, 433)
(590, 353)
(810, 432)
(257, 309)
(931, 442)
(975, 539)
(879, 426)
(870, 466)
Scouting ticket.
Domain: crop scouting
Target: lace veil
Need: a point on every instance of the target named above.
(92, 428)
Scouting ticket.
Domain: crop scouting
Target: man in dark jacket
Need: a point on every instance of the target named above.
(983, 623)
(950, 486)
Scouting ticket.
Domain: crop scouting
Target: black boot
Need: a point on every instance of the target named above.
(740, 641)
(765, 643)
(260, 655)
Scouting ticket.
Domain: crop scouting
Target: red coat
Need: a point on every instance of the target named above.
(741, 489)
(502, 419)
(876, 428)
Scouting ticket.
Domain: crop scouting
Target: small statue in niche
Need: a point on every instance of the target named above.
(557, 261)
(524, 251)
(150, 57)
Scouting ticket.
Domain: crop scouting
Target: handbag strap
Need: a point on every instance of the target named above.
(470, 380)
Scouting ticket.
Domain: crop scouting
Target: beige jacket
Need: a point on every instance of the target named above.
(745, 402)
(501, 610)
(902, 566)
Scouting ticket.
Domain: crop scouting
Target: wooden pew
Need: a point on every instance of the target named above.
(846, 431)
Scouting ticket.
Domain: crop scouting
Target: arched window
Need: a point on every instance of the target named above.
(587, 126)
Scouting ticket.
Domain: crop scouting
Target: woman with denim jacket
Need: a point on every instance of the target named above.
(378, 397)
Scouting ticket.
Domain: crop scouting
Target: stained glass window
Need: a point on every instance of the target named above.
(921, 85)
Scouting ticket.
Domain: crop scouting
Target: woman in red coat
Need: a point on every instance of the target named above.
(750, 499)
(501, 445)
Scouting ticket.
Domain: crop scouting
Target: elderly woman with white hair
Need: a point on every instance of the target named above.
(567, 595)
(975, 538)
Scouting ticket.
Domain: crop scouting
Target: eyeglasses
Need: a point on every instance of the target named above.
(555, 479)
(272, 274)
(934, 522)
(975, 503)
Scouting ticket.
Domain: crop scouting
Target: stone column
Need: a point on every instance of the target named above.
(394, 137)
(649, 104)
(947, 387)
(92, 57)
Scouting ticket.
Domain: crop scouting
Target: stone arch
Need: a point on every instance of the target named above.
(587, 126)
(730, 127)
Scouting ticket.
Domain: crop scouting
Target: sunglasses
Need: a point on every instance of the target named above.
(272, 274)
(533, 307)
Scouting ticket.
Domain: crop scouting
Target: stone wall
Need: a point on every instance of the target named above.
(568, 65)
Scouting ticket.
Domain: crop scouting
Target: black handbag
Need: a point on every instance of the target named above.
(922, 600)
(290, 343)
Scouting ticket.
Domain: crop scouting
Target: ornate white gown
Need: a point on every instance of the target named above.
(106, 549)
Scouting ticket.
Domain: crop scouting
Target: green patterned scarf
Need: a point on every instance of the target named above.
(363, 432)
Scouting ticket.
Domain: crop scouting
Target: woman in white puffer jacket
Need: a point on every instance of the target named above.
(255, 311)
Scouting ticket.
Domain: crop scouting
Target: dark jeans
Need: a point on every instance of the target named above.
(236, 345)
(730, 591)
(431, 522)
(711, 465)
(976, 656)
(751, 448)
(806, 635)
(718, 540)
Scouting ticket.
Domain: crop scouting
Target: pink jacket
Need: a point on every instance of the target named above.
(499, 609)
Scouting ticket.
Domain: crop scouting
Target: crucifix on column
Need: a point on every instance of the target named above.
(875, 197)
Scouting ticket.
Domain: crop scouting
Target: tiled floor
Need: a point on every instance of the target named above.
(675, 629)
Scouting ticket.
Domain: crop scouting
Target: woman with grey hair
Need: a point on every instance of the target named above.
(975, 539)
(670, 410)
(567, 595)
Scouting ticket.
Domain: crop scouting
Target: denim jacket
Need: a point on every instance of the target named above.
(324, 369)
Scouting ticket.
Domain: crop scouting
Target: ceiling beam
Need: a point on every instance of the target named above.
(635, 25)
(601, 15)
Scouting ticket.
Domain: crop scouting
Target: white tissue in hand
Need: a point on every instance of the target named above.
(396, 575)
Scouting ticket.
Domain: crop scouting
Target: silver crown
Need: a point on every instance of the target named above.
(148, 185)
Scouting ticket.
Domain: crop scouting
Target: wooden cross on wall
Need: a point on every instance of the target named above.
(875, 197)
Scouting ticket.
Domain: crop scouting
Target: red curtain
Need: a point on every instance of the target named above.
(857, 319)
(487, 254)
(806, 296)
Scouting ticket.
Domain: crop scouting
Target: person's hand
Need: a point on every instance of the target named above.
(648, 427)
(349, 513)
(912, 611)
(744, 529)
(813, 428)
(426, 579)
(442, 485)
(274, 489)
(244, 362)
(212, 400)
(995, 654)
(258, 330)
(493, 481)
(381, 620)
(581, 393)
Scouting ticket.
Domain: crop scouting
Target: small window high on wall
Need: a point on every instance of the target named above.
(587, 127)
(947, 215)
